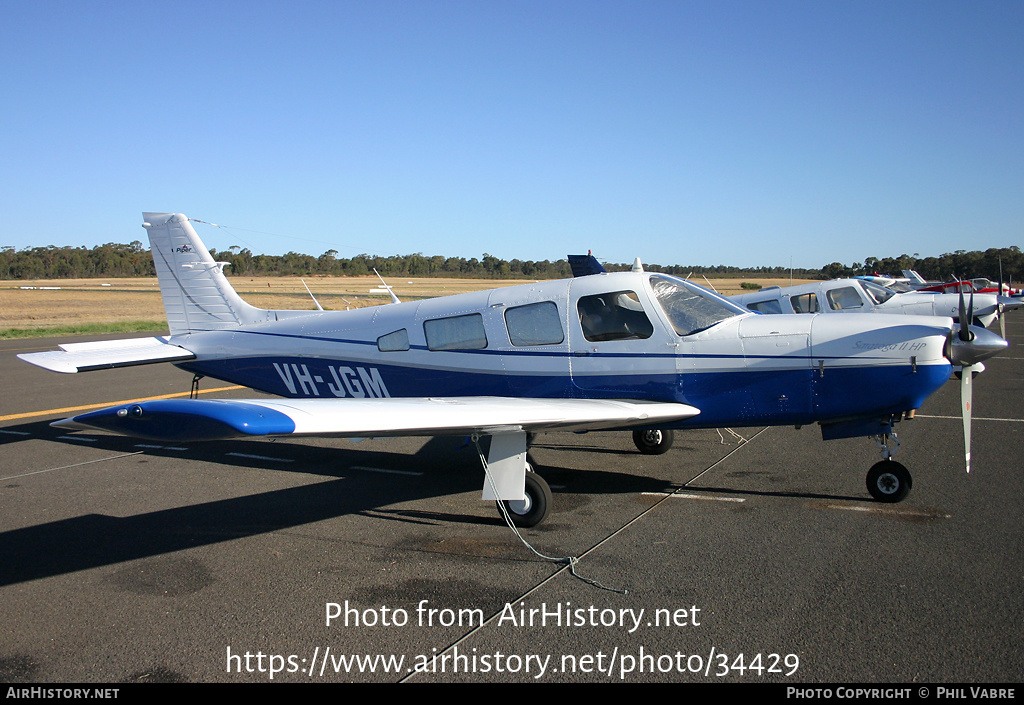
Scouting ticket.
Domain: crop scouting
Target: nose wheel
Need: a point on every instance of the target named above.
(888, 481)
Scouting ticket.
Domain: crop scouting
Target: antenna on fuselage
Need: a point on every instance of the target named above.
(637, 267)
(318, 306)
(384, 284)
(709, 284)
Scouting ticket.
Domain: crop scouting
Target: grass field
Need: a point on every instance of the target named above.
(78, 306)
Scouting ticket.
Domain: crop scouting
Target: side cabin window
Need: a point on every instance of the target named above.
(613, 316)
(844, 298)
(534, 324)
(394, 342)
(805, 303)
(770, 306)
(456, 333)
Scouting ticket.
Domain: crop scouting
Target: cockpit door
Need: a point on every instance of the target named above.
(618, 346)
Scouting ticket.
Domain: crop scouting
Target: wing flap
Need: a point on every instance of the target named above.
(209, 419)
(105, 354)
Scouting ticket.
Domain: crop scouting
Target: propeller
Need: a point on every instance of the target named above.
(966, 376)
(1000, 309)
(966, 398)
(968, 348)
(966, 317)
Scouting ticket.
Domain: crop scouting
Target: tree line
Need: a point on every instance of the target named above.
(134, 260)
(961, 264)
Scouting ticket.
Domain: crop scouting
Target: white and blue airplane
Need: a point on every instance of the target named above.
(636, 351)
(883, 280)
(860, 296)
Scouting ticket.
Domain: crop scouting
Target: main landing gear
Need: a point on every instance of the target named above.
(531, 510)
(653, 441)
(505, 466)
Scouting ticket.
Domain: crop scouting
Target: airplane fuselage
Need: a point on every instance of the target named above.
(600, 336)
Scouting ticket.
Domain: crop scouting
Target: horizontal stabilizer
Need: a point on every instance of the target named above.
(210, 419)
(104, 354)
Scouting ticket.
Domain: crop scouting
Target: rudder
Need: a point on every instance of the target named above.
(196, 294)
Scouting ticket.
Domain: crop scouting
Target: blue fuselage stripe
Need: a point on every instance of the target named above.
(740, 397)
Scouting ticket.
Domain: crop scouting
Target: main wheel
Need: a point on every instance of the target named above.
(532, 510)
(888, 481)
(653, 442)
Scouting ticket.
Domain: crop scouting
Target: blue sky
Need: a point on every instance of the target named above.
(744, 133)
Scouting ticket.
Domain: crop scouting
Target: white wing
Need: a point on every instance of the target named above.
(179, 419)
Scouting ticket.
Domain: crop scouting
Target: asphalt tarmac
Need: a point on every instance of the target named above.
(326, 560)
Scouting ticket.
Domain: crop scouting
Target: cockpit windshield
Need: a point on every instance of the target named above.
(689, 307)
(879, 294)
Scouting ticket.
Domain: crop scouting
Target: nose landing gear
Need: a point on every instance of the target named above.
(888, 481)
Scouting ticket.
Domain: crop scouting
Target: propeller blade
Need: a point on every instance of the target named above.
(999, 309)
(966, 394)
(965, 331)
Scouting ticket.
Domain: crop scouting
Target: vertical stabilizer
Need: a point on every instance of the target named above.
(913, 276)
(197, 295)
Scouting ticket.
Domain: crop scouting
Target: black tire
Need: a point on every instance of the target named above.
(534, 508)
(653, 441)
(888, 481)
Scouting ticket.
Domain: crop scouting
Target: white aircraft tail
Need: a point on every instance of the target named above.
(913, 276)
(197, 295)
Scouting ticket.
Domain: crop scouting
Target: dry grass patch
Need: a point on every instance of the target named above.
(67, 305)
